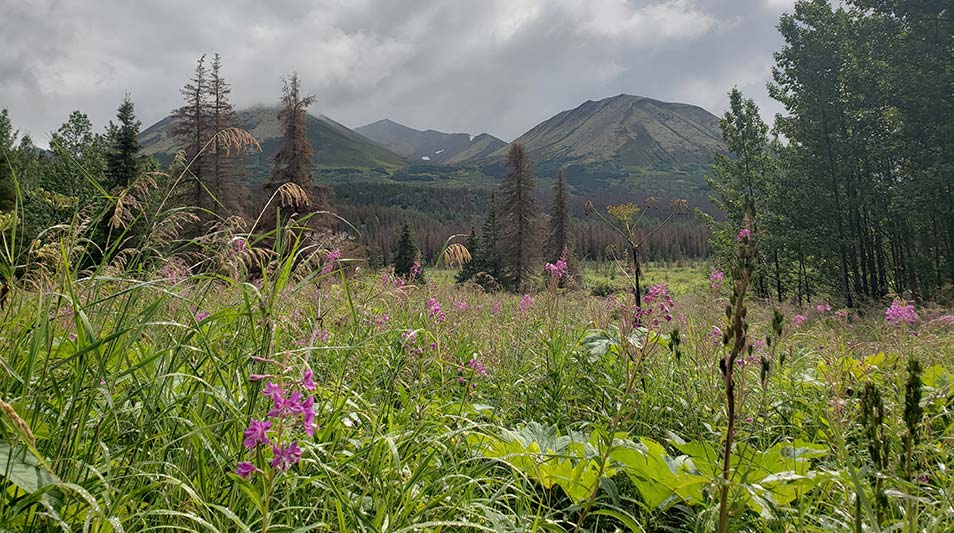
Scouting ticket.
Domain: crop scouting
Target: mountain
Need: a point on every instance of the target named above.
(435, 147)
(627, 131)
(335, 145)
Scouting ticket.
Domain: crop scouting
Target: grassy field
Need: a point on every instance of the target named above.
(313, 402)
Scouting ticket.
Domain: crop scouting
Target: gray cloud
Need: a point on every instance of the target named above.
(499, 66)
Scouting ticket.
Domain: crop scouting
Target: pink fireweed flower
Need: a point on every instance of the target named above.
(434, 309)
(715, 279)
(308, 415)
(307, 380)
(656, 303)
(823, 308)
(415, 270)
(460, 305)
(744, 233)
(558, 269)
(257, 433)
(330, 261)
(245, 469)
(409, 336)
(201, 315)
(799, 320)
(239, 244)
(285, 456)
(290, 406)
(526, 303)
(258, 377)
(273, 391)
(477, 367)
(381, 319)
(900, 313)
(494, 309)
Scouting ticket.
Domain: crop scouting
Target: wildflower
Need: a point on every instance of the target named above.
(900, 313)
(477, 367)
(494, 309)
(715, 279)
(381, 319)
(799, 320)
(330, 261)
(744, 233)
(308, 415)
(415, 271)
(823, 308)
(307, 380)
(72, 336)
(557, 269)
(245, 469)
(286, 406)
(258, 377)
(273, 391)
(409, 336)
(460, 305)
(526, 303)
(285, 456)
(201, 315)
(434, 309)
(239, 244)
(257, 433)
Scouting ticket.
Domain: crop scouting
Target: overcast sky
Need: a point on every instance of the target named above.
(496, 66)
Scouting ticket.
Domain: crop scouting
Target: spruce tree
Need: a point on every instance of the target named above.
(489, 255)
(519, 244)
(293, 162)
(559, 237)
(193, 129)
(405, 254)
(123, 160)
(221, 116)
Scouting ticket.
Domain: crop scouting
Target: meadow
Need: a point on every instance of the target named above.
(341, 399)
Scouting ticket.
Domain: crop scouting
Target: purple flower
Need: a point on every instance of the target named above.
(245, 469)
(900, 313)
(258, 377)
(415, 270)
(799, 320)
(285, 456)
(434, 308)
(238, 244)
(286, 406)
(477, 367)
(744, 233)
(273, 391)
(526, 303)
(257, 433)
(823, 308)
(307, 380)
(201, 315)
(558, 269)
(494, 309)
(409, 336)
(715, 279)
(308, 415)
(330, 261)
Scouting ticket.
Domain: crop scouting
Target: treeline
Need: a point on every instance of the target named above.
(854, 197)
(380, 210)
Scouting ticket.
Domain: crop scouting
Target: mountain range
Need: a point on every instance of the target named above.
(625, 141)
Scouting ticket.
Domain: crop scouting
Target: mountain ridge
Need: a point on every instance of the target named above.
(430, 146)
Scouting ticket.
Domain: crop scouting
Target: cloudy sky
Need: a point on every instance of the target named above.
(499, 66)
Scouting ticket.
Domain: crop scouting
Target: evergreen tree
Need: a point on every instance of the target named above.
(221, 116)
(560, 234)
(293, 162)
(123, 160)
(193, 130)
(489, 254)
(469, 270)
(519, 244)
(405, 254)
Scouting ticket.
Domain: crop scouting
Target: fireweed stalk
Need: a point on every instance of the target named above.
(736, 335)
(274, 438)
